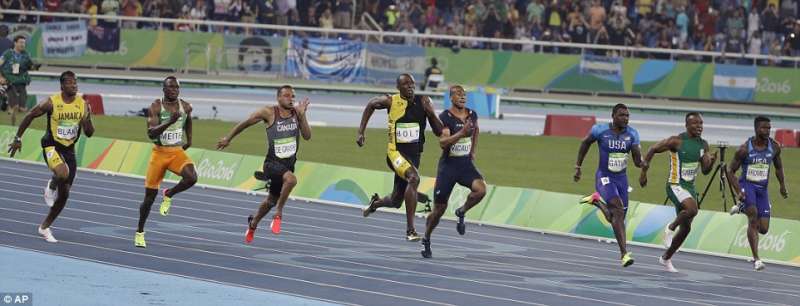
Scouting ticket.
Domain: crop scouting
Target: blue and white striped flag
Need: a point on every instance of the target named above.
(326, 59)
(734, 82)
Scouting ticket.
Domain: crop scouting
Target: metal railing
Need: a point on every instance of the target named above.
(540, 46)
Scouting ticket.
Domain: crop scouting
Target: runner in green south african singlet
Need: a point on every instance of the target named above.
(683, 166)
(687, 152)
(408, 114)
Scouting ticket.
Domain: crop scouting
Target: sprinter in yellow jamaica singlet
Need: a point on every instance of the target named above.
(408, 115)
(67, 116)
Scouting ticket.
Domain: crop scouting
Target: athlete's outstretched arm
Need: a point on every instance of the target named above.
(779, 169)
(187, 127)
(707, 160)
(154, 129)
(672, 143)
(436, 124)
(586, 143)
(379, 102)
(301, 109)
(738, 159)
(37, 111)
(263, 114)
(636, 151)
(86, 122)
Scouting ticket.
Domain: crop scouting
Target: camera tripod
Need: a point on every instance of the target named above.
(722, 167)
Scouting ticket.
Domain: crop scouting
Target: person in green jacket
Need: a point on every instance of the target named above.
(687, 152)
(14, 66)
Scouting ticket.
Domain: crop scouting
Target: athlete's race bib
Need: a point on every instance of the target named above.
(68, 132)
(462, 147)
(15, 68)
(689, 171)
(757, 172)
(171, 138)
(407, 132)
(617, 162)
(285, 147)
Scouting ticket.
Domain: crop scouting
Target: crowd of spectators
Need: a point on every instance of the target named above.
(767, 27)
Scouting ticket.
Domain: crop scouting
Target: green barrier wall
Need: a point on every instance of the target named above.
(711, 231)
(503, 69)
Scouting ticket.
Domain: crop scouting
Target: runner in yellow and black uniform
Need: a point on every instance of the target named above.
(67, 116)
(408, 115)
(169, 126)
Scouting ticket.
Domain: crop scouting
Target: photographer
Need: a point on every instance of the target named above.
(14, 66)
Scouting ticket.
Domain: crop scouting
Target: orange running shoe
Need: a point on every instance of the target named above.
(276, 225)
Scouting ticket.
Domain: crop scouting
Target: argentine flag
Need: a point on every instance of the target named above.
(734, 82)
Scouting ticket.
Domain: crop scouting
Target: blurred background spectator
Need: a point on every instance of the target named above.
(730, 26)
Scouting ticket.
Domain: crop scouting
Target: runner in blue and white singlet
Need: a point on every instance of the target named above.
(615, 141)
(755, 157)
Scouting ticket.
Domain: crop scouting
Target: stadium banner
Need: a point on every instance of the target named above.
(215, 167)
(136, 158)
(778, 85)
(243, 177)
(87, 150)
(27, 30)
(326, 60)
(509, 205)
(147, 48)
(111, 157)
(712, 231)
(64, 39)
(340, 184)
(668, 78)
(501, 68)
(253, 54)
(782, 242)
(385, 62)
(104, 37)
(31, 143)
(595, 224)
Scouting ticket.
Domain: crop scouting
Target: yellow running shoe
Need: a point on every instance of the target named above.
(165, 203)
(138, 240)
(627, 260)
